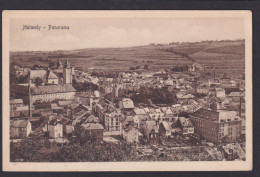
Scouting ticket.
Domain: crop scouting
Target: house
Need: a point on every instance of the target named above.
(193, 107)
(55, 128)
(94, 130)
(65, 124)
(112, 121)
(158, 110)
(235, 97)
(130, 133)
(176, 109)
(216, 126)
(183, 99)
(215, 103)
(86, 98)
(141, 114)
(186, 126)
(20, 129)
(98, 109)
(79, 115)
(166, 110)
(52, 79)
(147, 110)
(129, 119)
(14, 103)
(126, 104)
(56, 108)
(92, 119)
(69, 127)
(157, 116)
(137, 121)
(33, 74)
(175, 127)
(202, 90)
(80, 108)
(165, 129)
(151, 131)
(139, 111)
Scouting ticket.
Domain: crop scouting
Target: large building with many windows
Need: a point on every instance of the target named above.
(52, 92)
(48, 85)
(217, 126)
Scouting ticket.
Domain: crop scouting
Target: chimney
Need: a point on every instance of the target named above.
(29, 94)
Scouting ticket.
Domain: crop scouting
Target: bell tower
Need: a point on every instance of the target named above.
(67, 73)
(59, 64)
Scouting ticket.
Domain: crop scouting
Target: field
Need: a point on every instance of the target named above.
(226, 56)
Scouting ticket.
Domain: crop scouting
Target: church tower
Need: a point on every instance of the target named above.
(67, 73)
(59, 64)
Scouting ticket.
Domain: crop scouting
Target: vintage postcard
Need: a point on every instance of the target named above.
(127, 90)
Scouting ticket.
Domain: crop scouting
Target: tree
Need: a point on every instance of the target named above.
(51, 64)
(38, 81)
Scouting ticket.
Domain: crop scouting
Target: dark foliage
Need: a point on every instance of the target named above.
(84, 86)
(157, 95)
(38, 81)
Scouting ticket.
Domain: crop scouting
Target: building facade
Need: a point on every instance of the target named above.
(52, 92)
(217, 126)
(20, 129)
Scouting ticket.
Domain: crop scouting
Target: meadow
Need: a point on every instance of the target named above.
(225, 56)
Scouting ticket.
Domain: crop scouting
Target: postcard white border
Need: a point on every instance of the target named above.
(127, 166)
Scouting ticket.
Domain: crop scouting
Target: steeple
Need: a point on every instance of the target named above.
(59, 64)
(67, 73)
(67, 64)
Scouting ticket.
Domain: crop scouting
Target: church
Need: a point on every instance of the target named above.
(60, 75)
(54, 84)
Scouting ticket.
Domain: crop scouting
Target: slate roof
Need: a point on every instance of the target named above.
(38, 73)
(49, 89)
(92, 119)
(129, 119)
(92, 126)
(139, 111)
(206, 114)
(166, 126)
(51, 75)
(127, 103)
(147, 110)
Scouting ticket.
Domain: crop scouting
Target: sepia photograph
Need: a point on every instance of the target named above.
(127, 90)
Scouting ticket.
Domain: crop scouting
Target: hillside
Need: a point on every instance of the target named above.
(226, 56)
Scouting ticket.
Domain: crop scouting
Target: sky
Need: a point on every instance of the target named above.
(120, 32)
